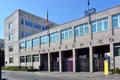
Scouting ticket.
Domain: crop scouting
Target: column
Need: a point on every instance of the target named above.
(48, 61)
(60, 61)
(91, 58)
(32, 60)
(25, 61)
(112, 60)
(39, 59)
(74, 60)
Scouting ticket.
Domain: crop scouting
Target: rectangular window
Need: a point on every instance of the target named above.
(117, 49)
(37, 26)
(35, 42)
(36, 58)
(28, 58)
(100, 25)
(81, 30)
(10, 48)
(10, 25)
(28, 44)
(11, 60)
(10, 37)
(116, 20)
(22, 45)
(25, 34)
(44, 39)
(54, 37)
(22, 21)
(22, 59)
(66, 34)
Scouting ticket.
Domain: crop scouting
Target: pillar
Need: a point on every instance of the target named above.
(49, 62)
(74, 60)
(60, 61)
(91, 58)
(112, 60)
(32, 60)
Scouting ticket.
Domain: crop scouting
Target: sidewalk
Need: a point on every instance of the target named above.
(72, 74)
(79, 74)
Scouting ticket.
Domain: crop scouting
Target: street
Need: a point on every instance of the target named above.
(14, 75)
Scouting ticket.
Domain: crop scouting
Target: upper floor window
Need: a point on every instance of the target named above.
(81, 30)
(28, 23)
(44, 27)
(11, 60)
(22, 45)
(10, 48)
(35, 42)
(37, 26)
(10, 25)
(28, 44)
(44, 39)
(25, 34)
(116, 20)
(22, 21)
(54, 37)
(100, 25)
(10, 37)
(36, 58)
(66, 34)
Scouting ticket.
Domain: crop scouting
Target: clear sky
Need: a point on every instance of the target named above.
(60, 11)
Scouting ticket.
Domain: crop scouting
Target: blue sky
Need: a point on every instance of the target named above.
(60, 11)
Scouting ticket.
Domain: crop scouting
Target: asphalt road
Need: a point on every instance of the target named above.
(13, 75)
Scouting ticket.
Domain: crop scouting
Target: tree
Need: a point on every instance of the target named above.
(2, 62)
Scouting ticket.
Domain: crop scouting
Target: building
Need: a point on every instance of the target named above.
(1, 43)
(76, 46)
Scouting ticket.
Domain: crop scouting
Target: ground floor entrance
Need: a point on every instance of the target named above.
(100, 53)
(82, 60)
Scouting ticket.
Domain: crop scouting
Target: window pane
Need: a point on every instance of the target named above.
(35, 42)
(99, 26)
(115, 23)
(44, 39)
(67, 33)
(22, 45)
(10, 48)
(10, 25)
(10, 37)
(22, 59)
(22, 21)
(28, 44)
(36, 58)
(28, 58)
(86, 30)
(105, 25)
(54, 37)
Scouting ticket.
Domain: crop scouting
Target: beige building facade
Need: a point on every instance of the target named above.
(76, 46)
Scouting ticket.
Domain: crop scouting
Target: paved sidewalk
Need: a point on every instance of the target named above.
(80, 74)
(71, 74)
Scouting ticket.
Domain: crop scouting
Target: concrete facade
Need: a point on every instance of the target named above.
(87, 48)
